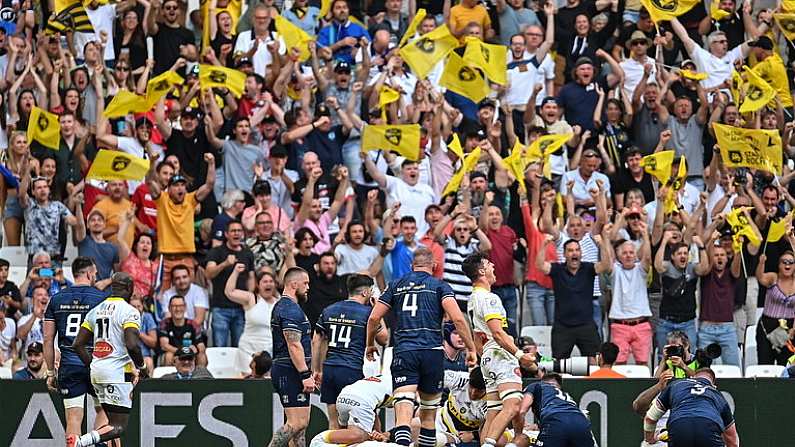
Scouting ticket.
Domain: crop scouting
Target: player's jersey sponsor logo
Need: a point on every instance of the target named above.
(102, 349)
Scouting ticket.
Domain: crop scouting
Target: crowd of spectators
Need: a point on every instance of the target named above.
(242, 188)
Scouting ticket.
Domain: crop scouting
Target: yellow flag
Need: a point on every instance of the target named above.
(543, 147)
(117, 165)
(412, 29)
(677, 183)
(559, 203)
(464, 80)
(786, 22)
(778, 228)
(741, 227)
(45, 128)
(403, 139)
(752, 148)
(759, 93)
(294, 37)
(124, 103)
(661, 10)
(455, 146)
(659, 165)
(694, 75)
(424, 52)
(158, 86)
(489, 58)
(70, 15)
(386, 96)
(325, 7)
(716, 13)
(517, 164)
(737, 86)
(470, 162)
(211, 76)
(788, 5)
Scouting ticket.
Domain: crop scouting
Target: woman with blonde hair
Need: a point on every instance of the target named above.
(17, 160)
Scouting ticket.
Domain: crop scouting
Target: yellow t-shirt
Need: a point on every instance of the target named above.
(175, 224)
(461, 16)
(114, 213)
(772, 70)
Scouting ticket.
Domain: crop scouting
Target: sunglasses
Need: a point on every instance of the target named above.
(788, 261)
(638, 42)
(171, 8)
(462, 229)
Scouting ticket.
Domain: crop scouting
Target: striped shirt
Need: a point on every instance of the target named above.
(454, 256)
(590, 253)
(778, 305)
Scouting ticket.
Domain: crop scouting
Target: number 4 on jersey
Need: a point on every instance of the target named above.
(410, 304)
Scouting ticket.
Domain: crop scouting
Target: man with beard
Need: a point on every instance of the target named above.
(338, 343)
(312, 215)
(716, 318)
(327, 287)
(573, 282)
(189, 144)
(33, 370)
(175, 212)
(267, 244)
(341, 35)
(93, 245)
(292, 354)
(196, 302)
(356, 256)
(634, 177)
(240, 154)
(171, 39)
(43, 217)
(228, 316)
(114, 207)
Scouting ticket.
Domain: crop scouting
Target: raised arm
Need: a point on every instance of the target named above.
(541, 261)
(209, 181)
(681, 33)
(659, 258)
(766, 279)
(239, 296)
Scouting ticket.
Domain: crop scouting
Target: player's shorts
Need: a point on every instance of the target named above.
(694, 432)
(499, 367)
(74, 381)
(335, 378)
(424, 368)
(566, 430)
(353, 413)
(289, 386)
(115, 397)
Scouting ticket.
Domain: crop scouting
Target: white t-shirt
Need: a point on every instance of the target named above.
(7, 336)
(262, 57)
(714, 198)
(522, 79)
(581, 187)
(196, 297)
(630, 296)
(413, 199)
(352, 261)
(36, 333)
(102, 20)
(717, 69)
(633, 73)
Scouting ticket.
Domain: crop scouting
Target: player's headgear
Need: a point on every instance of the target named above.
(448, 329)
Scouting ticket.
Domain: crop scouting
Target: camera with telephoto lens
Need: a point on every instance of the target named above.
(576, 366)
(674, 351)
(704, 357)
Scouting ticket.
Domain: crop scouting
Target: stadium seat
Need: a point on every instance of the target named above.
(17, 274)
(640, 371)
(5, 373)
(542, 335)
(16, 256)
(749, 347)
(221, 363)
(727, 371)
(161, 371)
(764, 370)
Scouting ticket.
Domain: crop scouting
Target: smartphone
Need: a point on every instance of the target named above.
(46, 273)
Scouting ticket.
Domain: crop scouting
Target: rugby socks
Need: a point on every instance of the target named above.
(88, 439)
(403, 435)
(427, 437)
(488, 442)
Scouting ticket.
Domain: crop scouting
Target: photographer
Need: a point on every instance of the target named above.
(676, 356)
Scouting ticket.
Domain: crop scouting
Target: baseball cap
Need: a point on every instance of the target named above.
(763, 42)
(143, 121)
(35, 347)
(95, 211)
(486, 103)
(687, 62)
(477, 174)
(548, 100)
(191, 112)
(584, 61)
(342, 67)
(185, 352)
(177, 179)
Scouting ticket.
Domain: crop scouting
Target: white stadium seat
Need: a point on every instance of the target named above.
(640, 371)
(161, 371)
(764, 371)
(17, 274)
(221, 363)
(727, 371)
(542, 335)
(16, 256)
(5, 373)
(749, 347)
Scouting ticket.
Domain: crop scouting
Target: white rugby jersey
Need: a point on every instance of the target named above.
(483, 306)
(370, 393)
(460, 413)
(107, 322)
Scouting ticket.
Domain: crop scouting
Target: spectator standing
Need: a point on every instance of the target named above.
(341, 35)
(228, 316)
(258, 306)
(178, 332)
(9, 292)
(43, 217)
(325, 287)
(354, 255)
(573, 285)
(233, 203)
(196, 302)
(8, 340)
(93, 245)
(504, 243)
(311, 214)
(171, 39)
(267, 244)
(775, 327)
(716, 319)
(466, 12)
(175, 211)
(514, 18)
(30, 327)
